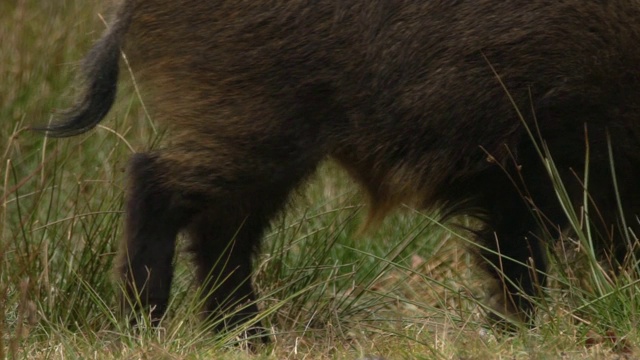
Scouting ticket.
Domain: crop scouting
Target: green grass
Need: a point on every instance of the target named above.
(407, 290)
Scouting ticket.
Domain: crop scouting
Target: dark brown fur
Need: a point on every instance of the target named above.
(403, 94)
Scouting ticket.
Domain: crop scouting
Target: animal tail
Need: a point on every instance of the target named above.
(100, 70)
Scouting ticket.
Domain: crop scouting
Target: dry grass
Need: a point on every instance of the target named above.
(407, 290)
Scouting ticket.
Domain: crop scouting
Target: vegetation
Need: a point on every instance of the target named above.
(408, 289)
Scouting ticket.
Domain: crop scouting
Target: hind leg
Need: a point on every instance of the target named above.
(154, 216)
(217, 192)
(241, 190)
(232, 163)
(223, 240)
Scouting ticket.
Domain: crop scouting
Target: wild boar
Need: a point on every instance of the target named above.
(439, 104)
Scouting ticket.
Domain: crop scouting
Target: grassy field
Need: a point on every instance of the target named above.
(408, 290)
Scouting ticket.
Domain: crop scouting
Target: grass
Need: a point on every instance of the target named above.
(407, 290)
